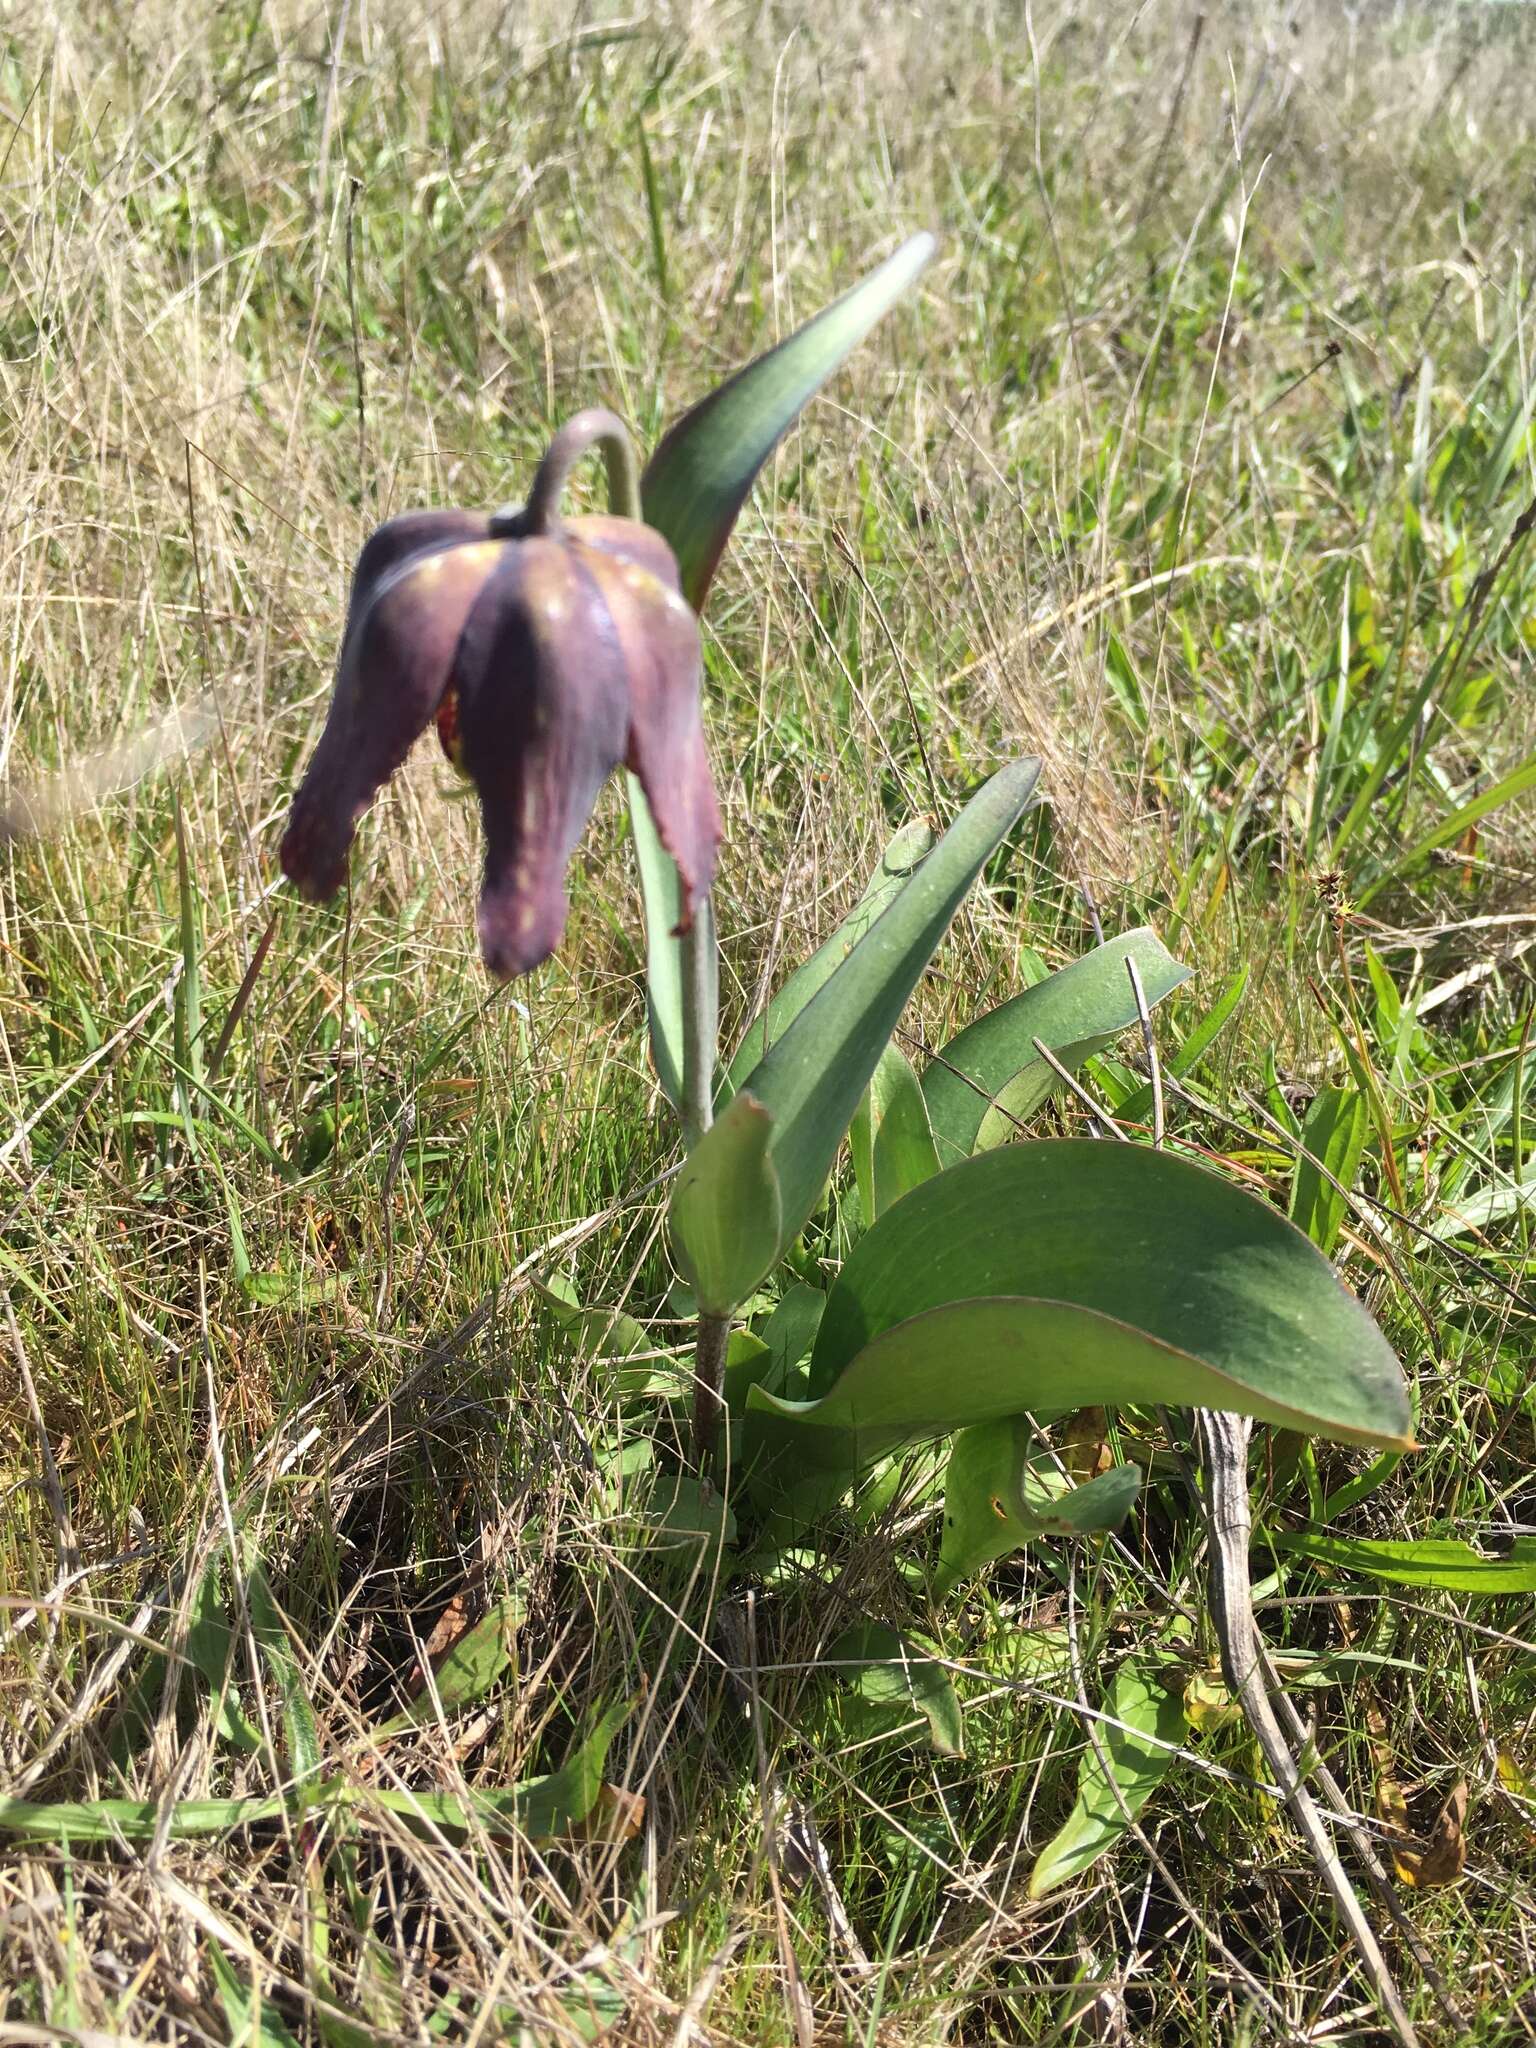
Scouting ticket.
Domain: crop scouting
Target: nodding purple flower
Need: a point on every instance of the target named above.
(548, 652)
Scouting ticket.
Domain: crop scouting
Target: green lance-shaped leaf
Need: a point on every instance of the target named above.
(661, 893)
(902, 854)
(1002, 1490)
(697, 481)
(810, 1081)
(1431, 1561)
(1333, 1136)
(897, 1680)
(1125, 1762)
(991, 1076)
(727, 1215)
(890, 1138)
(1070, 1271)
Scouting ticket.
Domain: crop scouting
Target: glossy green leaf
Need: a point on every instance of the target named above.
(1334, 1134)
(470, 1669)
(810, 1080)
(901, 856)
(898, 1679)
(1002, 1489)
(889, 1138)
(698, 479)
(990, 1077)
(1431, 1561)
(726, 1210)
(1071, 1271)
(1126, 1760)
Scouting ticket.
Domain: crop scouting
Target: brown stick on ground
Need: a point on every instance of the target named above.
(1224, 1439)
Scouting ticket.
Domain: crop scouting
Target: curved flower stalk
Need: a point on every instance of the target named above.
(548, 652)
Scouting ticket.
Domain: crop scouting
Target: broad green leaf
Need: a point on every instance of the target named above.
(471, 1667)
(1430, 1561)
(1068, 1272)
(1125, 1762)
(1002, 1489)
(1334, 1135)
(811, 1079)
(698, 479)
(790, 1331)
(898, 1679)
(599, 1332)
(726, 1210)
(891, 1143)
(901, 856)
(1077, 1012)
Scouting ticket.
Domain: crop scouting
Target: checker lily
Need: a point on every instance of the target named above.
(548, 652)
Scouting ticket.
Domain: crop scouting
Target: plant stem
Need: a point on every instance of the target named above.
(708, 1387)
(597, 427)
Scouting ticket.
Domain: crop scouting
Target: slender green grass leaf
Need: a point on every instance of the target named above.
(1137, 1106)
(253, 2022)
(1504, 791)
(301, 1735)
(1429, 1561)
(991, 1076)
(1127, 1759)
(1333, 1135)
(698, 479)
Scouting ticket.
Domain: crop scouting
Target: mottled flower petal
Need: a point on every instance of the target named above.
(415, 583)
(542, 724)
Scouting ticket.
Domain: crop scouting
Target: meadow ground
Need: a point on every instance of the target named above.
(1197, 464)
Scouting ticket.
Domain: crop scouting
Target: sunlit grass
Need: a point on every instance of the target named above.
(1181, 469)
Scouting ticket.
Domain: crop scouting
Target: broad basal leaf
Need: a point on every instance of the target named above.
(1002, 1488)
(1123, 1766)
(980, 1085)
(1072, 1271)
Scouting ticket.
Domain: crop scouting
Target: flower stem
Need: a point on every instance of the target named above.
(709, 1349)
(596, 427)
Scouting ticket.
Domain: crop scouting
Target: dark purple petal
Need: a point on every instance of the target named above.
(415, 584)
(659, 637)
(542, 724)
